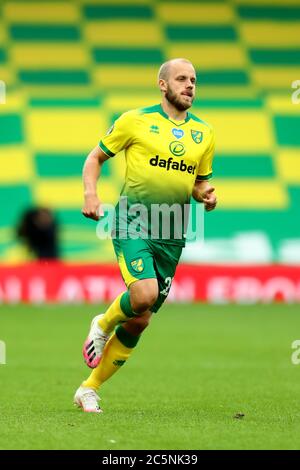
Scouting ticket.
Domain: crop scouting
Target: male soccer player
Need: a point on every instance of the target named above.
(169, 155)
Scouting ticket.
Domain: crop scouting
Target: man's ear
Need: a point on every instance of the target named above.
(162, 85)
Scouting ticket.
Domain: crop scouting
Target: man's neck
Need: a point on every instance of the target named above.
(173, 112)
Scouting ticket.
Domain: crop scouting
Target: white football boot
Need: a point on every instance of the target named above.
(87, 399)
(94, 344)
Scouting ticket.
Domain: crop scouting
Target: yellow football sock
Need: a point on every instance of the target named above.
(120, 310)
(116, 352)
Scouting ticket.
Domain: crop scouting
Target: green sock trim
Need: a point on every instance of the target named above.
(126, 305)
(129, 340)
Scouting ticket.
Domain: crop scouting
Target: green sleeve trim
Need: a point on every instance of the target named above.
(203, 177)
(106, 150)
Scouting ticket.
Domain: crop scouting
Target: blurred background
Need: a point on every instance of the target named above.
(71, 67)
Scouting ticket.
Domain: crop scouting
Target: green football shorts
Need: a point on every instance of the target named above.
(145, 259)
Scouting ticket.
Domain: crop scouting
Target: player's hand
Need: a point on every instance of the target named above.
(209, 199)
(92, 207)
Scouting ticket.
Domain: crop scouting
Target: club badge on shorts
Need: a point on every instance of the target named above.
(138, 265)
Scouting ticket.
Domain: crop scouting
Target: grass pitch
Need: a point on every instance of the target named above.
(194, 370)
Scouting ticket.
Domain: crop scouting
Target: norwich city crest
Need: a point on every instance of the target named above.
(197, 136)
(137, 265)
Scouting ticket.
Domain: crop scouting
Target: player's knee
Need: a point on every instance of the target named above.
(143, 294)
(144, 302)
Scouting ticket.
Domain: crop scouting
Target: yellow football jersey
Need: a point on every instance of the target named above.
(163, 157)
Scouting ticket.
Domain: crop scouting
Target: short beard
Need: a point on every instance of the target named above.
(171, 97)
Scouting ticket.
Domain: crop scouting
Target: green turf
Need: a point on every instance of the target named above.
(195, 368)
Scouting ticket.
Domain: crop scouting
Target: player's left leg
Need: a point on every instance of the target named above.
(166, 257)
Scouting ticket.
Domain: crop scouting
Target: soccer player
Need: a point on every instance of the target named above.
(169, 155)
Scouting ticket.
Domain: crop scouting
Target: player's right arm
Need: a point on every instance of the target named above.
(91, 172)
(118, 137)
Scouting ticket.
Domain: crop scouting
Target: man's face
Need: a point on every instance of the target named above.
(181, 86)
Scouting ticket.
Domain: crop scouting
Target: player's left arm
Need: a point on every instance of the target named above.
(203, 191)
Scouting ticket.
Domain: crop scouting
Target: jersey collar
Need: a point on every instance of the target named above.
(177, 123)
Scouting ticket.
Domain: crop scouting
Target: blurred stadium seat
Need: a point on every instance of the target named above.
(72, 67)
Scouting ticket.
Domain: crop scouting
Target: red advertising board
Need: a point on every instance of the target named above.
(65, 283)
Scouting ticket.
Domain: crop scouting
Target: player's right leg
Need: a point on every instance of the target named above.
(87, 399)
(120, 345)
(129, 305)
(101, 328)
(136, 264)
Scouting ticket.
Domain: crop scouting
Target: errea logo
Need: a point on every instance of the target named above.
(118, 362)
(154, 129)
